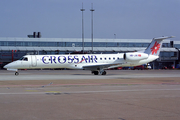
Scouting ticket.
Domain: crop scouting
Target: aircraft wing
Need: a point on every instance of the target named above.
(101, 66)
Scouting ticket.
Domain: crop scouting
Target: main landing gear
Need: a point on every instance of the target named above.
(16, 73)
(102, 72)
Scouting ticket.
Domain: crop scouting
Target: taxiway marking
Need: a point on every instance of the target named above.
(82, 92)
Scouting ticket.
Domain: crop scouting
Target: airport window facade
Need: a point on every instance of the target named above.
(78, 44)
(177, 46)
(168, 55)
(166, 45)
(72, 44)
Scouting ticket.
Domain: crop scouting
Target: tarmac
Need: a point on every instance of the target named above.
(79, 95)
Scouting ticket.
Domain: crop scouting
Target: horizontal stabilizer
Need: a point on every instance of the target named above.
(164, 37)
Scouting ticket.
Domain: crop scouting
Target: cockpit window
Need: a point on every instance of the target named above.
(24, 59)
(21, 58)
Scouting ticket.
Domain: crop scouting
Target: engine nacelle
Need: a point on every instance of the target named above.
(135, 56)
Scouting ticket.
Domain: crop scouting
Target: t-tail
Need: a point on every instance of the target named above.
(155, 46)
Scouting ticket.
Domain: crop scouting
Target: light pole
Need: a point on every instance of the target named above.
(82, 29)
(92, 24)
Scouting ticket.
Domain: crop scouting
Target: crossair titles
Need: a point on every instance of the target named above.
(69, 59)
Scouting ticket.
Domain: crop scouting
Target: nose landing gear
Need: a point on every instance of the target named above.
(103, 73)
(16, 73)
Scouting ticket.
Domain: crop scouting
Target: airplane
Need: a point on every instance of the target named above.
(97, 63)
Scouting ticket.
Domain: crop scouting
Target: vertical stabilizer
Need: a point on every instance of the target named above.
(155, 46)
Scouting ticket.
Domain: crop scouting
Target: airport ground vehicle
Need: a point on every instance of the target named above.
(140, 67)
(147, 66)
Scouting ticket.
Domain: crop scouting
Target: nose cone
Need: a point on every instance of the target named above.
(6, 66)
(10, 65)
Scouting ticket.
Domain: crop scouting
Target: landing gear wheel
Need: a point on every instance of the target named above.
(103, 73)
(16, 73)
(95, 72)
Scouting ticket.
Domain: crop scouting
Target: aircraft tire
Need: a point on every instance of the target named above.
(104, 73)
(95, 72)
(16, 73)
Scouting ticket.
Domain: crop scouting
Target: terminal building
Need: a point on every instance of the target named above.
(12, 49)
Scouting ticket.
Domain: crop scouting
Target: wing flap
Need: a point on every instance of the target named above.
(101, 66)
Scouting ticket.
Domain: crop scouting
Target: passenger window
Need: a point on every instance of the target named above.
(105, 58)
(109, 58)
(100, 58)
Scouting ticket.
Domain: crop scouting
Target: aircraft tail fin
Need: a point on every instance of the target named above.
(155, 46)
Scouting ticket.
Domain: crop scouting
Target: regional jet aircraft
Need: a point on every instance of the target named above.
(97, 63)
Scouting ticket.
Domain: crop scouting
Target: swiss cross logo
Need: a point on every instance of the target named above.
(155, 48)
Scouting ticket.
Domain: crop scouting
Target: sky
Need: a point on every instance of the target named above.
(121, 19)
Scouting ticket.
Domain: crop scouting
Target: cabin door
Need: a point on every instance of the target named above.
(33, 61)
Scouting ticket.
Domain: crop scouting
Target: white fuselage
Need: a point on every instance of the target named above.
(73, 61)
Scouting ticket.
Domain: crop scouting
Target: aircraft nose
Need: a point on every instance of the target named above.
(10, 65)
(6, 66)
